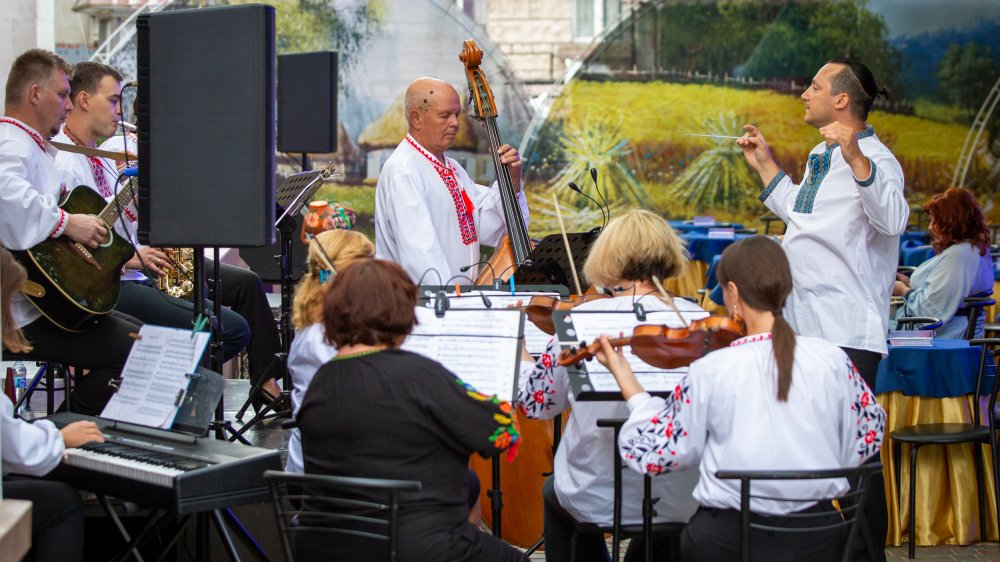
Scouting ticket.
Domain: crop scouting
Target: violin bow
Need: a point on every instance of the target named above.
(569, 253)
(670, 300)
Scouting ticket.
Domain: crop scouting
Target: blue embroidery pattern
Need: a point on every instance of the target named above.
(770, 187)
(819, 166)
(871, 177)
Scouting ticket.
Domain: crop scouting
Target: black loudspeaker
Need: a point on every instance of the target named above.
(262, 262)
(206, 121)
(307, 102)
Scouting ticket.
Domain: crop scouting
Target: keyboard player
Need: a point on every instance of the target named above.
(34, 449)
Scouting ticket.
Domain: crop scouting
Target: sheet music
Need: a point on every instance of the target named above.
(589, 326)
(534, 339)
(155, 376)
(480, 346)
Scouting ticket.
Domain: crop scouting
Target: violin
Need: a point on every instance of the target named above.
(540, 308)
(668, 348)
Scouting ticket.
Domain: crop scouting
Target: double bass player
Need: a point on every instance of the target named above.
(429, 213)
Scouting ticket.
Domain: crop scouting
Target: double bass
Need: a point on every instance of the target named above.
(514, 247)
(520, 481)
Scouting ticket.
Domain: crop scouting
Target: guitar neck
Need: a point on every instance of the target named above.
(117, 206)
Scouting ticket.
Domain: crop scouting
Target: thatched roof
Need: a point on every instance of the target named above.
(390, 128)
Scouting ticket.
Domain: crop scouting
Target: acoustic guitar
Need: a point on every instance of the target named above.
(77, 282)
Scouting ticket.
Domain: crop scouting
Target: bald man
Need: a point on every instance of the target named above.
(430, 216)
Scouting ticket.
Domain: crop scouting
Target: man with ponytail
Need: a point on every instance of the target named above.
(769, 401)
(844, 222)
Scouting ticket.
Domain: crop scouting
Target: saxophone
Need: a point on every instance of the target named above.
(177, 282)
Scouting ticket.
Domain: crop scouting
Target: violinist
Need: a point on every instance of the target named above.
(429, 213)
(634, 248)
(329, 252)
(771, 401)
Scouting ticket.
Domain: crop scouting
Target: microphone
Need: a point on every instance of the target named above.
(593, 176)
(576, 188)
(480, 262)
(128, 126)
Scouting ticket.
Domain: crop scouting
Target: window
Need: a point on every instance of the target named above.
(590, 17)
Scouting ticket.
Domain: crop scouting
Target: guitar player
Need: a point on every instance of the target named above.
(37, 101)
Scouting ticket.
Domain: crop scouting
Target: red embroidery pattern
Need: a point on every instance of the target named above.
(34, 136)
(751, 339)
(96, 168)
(463, 205)
(59, 225)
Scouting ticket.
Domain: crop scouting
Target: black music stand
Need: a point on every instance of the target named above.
(550, 264)
(292, 194)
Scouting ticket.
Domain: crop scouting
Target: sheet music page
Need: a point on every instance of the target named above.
(480, 346)
(155, 376)
(589, 326)
(534, 339)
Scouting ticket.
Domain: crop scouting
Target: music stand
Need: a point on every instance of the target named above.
(548, 263)
(293, 193)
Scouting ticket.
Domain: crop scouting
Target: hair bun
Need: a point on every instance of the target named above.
(883, 91)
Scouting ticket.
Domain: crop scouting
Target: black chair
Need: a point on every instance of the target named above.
(952, 434)
(329, 505)
(647, 530)
(850, 505)
(767, 219)
(918, 323)
(972, 308)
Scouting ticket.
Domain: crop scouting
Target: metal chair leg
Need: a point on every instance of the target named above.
(911, 547)
(977, 452)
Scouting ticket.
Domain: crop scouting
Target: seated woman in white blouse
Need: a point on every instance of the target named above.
(961, 268)
(34, 449)
(635, 247)
(309, 350)
(770, 401)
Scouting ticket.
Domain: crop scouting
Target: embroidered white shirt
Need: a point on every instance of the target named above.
(78, 170)
(725, 415)
(582, 472)
(418, 223)
(30, 190)
(842, 243)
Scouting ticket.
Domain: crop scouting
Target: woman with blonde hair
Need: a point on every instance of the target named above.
(329, 252)
(633, 249)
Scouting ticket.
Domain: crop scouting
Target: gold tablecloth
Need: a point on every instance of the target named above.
(946, 501)
(690, 280)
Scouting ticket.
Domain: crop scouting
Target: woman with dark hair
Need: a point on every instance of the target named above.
(772, 400)
(376, 411)
(961, 268)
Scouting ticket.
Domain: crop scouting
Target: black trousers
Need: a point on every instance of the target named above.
(559, 525)
(102, 348)
(243, 291)
(714, 534)
(151, 306)
(876, 521)
(56, 518)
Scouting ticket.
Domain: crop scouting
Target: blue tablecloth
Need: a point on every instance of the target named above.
(689, 226)
(947, 368)
(921, 237)
(915, 255)
(703, 248)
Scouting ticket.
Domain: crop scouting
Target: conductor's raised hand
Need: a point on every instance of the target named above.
(847, 138)
(510, 157)
(86, 229)
(80, 433)
(755, 148)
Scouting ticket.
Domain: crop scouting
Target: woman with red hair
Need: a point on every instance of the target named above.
(962, 266)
